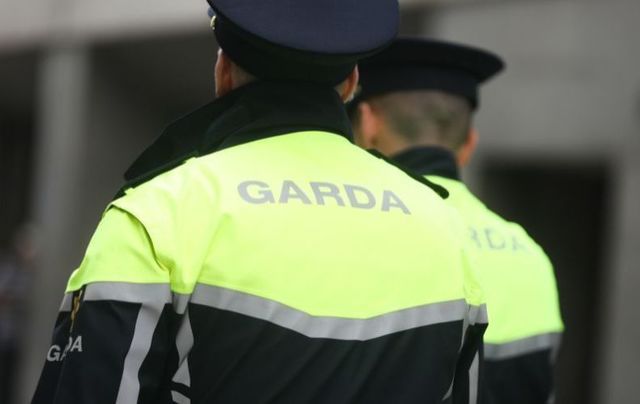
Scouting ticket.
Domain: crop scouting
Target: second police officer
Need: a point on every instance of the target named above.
(416, 105)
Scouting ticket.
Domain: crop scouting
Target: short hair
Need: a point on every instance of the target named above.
(426, 116)
(242, 77)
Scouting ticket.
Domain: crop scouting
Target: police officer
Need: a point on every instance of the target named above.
(249, 257)
(416, 104)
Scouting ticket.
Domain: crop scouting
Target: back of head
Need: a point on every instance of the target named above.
(425, 90)
(425, 117)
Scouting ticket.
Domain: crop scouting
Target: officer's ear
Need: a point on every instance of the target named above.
(465, 152)
(223, 74)
(368, 126)
(347, 88)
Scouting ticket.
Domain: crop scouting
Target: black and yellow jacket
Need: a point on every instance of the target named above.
(519, 284)
(257, 256)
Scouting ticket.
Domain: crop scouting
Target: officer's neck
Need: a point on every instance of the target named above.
(429, 160)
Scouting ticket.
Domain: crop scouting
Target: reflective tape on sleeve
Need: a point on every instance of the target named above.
(522, 346)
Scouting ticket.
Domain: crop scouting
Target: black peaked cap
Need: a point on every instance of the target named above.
(427, 64)
(303, 40)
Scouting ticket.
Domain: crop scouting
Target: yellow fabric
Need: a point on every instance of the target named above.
(119, 251)
(323, 259)
(516, 275)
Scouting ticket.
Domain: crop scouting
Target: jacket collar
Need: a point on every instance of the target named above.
(255, 111)
(429, 160)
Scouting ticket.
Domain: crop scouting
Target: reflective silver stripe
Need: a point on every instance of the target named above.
(129, 292)
(556, 349)
(329, 327)
(474, 374)
(67, 301)
(465, 327)
(152, 298)
(478, 314)
(184, 343)
(180, 302)
(179, 398)
(449, 392)
(522, 346)
(146, 323)
(552, 398)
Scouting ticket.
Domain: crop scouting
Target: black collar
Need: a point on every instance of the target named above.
(429, 160)
(256, 111)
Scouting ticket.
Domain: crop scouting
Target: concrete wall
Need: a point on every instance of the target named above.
(40, 22)
(571, 79)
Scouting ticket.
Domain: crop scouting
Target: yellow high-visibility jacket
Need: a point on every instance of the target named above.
(257, 256)
(518, 279)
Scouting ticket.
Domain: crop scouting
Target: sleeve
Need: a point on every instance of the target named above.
(113, 339)
(522, 371)
(469, 383)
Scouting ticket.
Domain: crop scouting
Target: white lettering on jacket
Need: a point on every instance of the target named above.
(57, 354)
(321, 194)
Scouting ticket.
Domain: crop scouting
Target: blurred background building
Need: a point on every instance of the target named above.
(85, 85)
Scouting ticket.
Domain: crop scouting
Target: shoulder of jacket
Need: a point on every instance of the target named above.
(185, 187)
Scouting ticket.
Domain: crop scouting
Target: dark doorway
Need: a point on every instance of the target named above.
(17, 98)
(16, 162)
(563, 206)
(17, 95)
